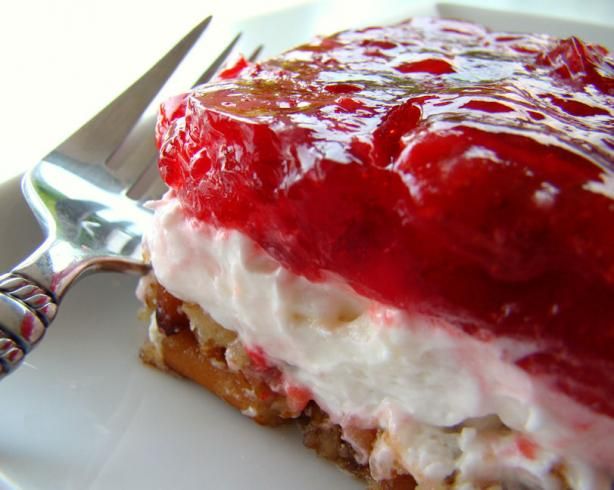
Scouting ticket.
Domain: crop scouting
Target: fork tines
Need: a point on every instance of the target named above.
(99, 138)
(113, 137)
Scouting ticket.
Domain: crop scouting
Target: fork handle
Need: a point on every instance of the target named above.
(25, 311)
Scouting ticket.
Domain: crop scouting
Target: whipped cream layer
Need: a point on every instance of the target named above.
(447, 402)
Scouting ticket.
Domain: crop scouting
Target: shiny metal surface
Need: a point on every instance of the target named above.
(81, 201)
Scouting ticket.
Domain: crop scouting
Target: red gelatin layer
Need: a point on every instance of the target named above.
(436, 167)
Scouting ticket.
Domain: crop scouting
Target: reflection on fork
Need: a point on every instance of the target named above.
(87, 197)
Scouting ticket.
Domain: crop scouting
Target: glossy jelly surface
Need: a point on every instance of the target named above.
(435, 166)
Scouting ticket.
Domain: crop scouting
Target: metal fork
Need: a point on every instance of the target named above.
(88, 201)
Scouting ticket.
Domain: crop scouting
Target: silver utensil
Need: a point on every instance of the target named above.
(87, 195)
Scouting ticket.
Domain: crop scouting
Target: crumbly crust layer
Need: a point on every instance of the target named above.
(215, 359)
(186, 341)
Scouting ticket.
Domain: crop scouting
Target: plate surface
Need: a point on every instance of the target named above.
(84, 413)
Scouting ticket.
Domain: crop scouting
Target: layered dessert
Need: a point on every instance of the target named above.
(403, 238)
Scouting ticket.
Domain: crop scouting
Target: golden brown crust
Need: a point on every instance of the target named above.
(183, 355)
(326, 439)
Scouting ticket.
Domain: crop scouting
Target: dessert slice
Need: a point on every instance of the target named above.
(403, 237)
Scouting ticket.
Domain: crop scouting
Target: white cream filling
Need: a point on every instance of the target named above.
(372, 365)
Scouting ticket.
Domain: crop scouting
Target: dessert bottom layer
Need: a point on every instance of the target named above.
(447, 408)
(216, 360)
(185, 340)
(246, 387)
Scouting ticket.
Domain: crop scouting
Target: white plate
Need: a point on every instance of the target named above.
(83, 412)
